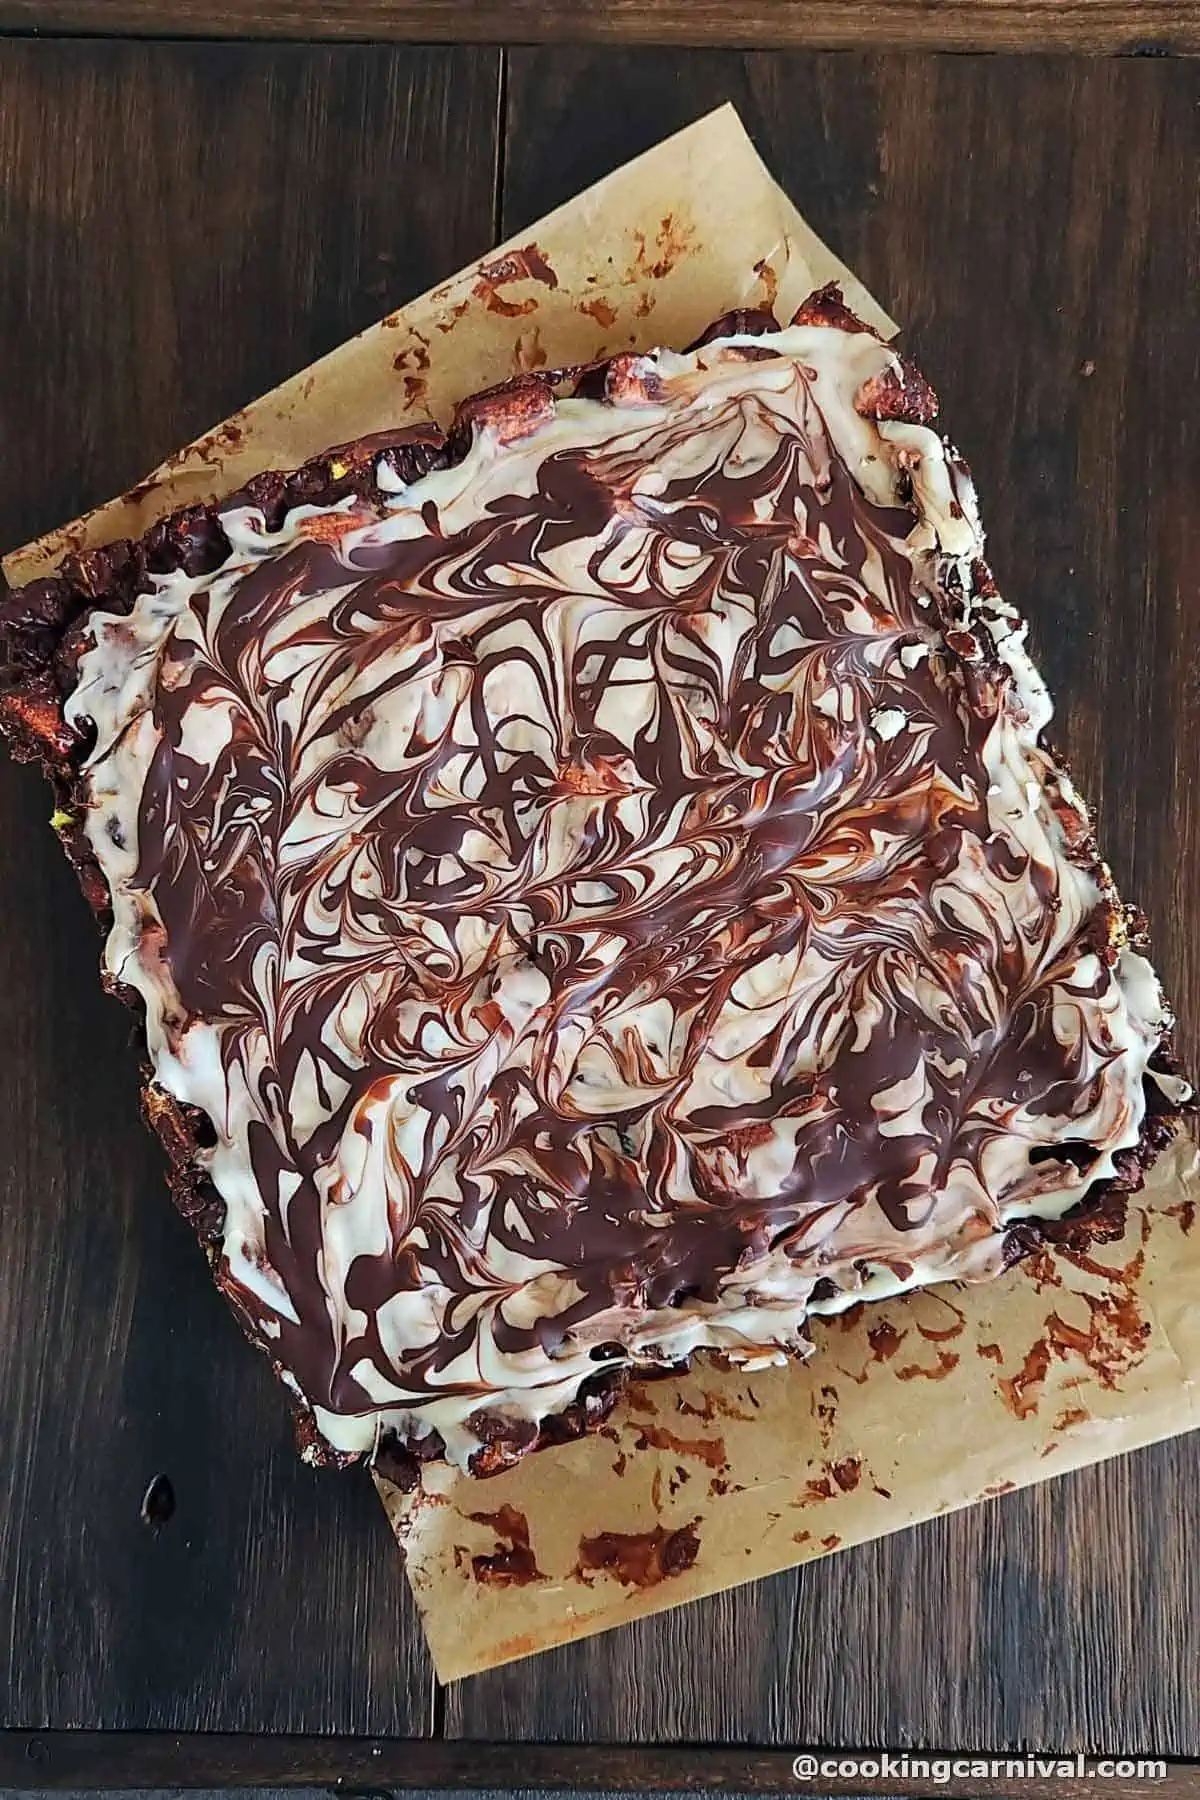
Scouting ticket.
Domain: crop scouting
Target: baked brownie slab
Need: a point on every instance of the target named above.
(595, 884)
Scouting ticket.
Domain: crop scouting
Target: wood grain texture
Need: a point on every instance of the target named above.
(1161, 27)
(1030, 221)
(372, 1767)
(179, 227)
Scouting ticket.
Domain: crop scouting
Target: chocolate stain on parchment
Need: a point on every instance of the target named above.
(947, 1361)
(884, 1340)
(824, 1409)
(677, 1480)
(600, 310)
(529, 353)
(847, 1473)
(671, 241)
(1126, 1275)
(525, 264)
(222, 441)
(640, 1559)
(940, 1334)
(74, 538)
(415, 357)
(1041, 1268)
(512, 1563)
(456, 313)
(715, 1406)
(706, 1450)
(770, 282)
(1184, 1214)
(1115, 1337)
(638, 1400)
(1112, 1341)
(843, 1477)
(707, 1409)
(1019, 1392)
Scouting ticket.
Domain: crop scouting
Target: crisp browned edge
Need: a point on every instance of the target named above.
(42, 628)
(1085, 27)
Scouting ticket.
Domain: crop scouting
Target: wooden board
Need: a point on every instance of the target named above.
(371, 1768)
(180, 226)
(1110, 27)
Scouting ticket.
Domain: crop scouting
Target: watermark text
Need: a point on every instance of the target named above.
(884, 1766)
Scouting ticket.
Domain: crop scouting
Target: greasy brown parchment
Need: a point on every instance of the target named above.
(700, 1482)
(908, 1408)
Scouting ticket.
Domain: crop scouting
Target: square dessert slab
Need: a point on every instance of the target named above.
(1081, 104)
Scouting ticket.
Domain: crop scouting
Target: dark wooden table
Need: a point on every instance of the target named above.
(181, 224)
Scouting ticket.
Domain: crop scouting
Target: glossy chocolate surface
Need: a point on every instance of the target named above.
(608, 897)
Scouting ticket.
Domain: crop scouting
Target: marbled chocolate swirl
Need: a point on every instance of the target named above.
(609, 897)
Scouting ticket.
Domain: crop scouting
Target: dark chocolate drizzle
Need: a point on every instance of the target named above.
(557, 895)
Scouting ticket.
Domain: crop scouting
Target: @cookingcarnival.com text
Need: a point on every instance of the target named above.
(877, 1765)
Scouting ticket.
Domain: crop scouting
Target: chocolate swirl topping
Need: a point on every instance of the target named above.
(607, 894)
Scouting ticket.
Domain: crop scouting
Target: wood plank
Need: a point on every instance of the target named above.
(1045, 278)
(182, 225)
(88, 1760)
(1160, 27)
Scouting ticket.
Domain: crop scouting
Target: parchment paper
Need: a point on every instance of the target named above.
(907, 1409)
